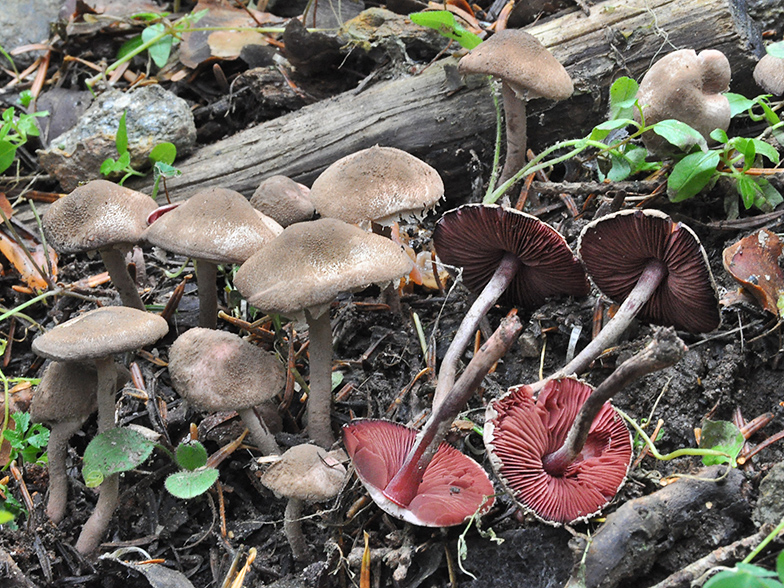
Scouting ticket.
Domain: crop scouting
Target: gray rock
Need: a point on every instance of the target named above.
(770, 506)
(154, 115)
(26, 22)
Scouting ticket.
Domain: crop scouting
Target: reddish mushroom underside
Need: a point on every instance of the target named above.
(521, 431)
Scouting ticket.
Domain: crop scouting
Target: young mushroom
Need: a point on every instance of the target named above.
(284, 200)
(214, 226)
(216, 370)
(564, 455)
(103, 216)
(305, 473)
(505, 255)
(301, 272)
(769, 74)
(96, 336)
(527, 70)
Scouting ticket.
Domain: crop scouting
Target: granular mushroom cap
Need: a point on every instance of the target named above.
(218, 370)
(284, 200)
(96, 215)
(305, 472)
(769, 74)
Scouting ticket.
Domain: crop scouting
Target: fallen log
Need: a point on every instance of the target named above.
(450, 122)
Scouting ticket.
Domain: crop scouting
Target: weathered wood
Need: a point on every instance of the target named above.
(450, 122)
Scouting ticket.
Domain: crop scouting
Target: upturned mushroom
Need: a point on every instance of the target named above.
(687, 86)
(300, 273)
(96, 336)
(527, 70)
(505, 255)
(305, 473)
(284, 200)
(214, 226)
(101, 216)
(216, 370)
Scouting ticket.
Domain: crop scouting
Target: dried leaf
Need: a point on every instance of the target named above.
(753, 263)
(16, 255)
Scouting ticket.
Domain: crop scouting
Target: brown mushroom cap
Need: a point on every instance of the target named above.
(520, 60)
(379, 184)
(310, 263)
(215, 224)
(616, 248)
(305, 472)
(99, 333)
(218, 370)
(769, 74)
(688, 87)
(284, 200)
(520, 432)
(96, 215)
(476, 237)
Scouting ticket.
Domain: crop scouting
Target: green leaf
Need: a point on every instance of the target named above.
(766, 150)
(679, 134)
(780, 566)
(164, 153)
(108, 167)
(719, 135)
(776, 50)
(113, 451)
(738, 103)
(771, 195)
(337, 379)
(748, 190)
(191, 484)
(7, 155)
(599, 132)
(740, 579)
(129, 46)
(445, 23)
(121, 139)
(21, 421)
(5, 516)
(721, 436)
(124, 161)
(191, 455)
(623, 96)
(25, 98)
(160, 51)
(691, 174)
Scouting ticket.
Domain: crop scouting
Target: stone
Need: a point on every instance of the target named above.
(770, 505)
(154, 115)
(25, 23)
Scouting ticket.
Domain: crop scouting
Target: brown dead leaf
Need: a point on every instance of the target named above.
(27, 271)
(754, 263)
(229, 44)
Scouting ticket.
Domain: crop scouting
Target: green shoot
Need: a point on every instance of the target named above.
(446, 24)
(27, 440)
(14, 131)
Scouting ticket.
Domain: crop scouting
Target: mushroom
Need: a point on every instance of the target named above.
(527, 70)
(685, 86)
(64, 399)
(769, 74)
(214, 226)
(753, 262)
(103, 216)
(505, 254)
(284, 200)
(379, 185)
(655, 267)
(305, 473)
(301, 272)
(565, 455)
(96, 336)
(216, 370)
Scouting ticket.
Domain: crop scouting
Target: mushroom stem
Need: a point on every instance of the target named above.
(516, 131)
(114, 261)
(208, 295)
(497, 285)
(320, 382)
(403, 486)
(664, 350)
(57, 449)
(259, 432)
(649, 280)
(292, 527)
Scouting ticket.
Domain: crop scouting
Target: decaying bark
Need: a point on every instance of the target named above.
(449, 122)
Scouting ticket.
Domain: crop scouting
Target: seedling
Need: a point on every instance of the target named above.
(14, 132)
(445, 23)
(27, 440)
(10, 507)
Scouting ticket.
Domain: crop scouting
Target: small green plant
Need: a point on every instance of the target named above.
(195, 477)
(446, 24)
(27, 440)
(14, 132)
(10, 507)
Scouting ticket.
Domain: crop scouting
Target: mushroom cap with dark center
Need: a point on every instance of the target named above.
(96, 215)
(379, 184)
(217, 370)
(306, 472)
(215, 224)
(477, 236)
(520, 432)
(453, 487)
(284, 200)
(519, 59)
(616, 249)
(99, 333)
(310, 263)
(769, 74)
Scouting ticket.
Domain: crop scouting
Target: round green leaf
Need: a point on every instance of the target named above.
(163, 152)
(191, 455)
(721, 436)
(691, 174)
(114, 451)
(191, 484)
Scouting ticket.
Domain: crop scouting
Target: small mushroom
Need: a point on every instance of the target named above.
(103, 216)
(685, 86)
(301, 272)
(214, 226)
(527, 70)
(305, 473)
(769, 74)
(96, 336)
(216, 370)
(284, 200)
